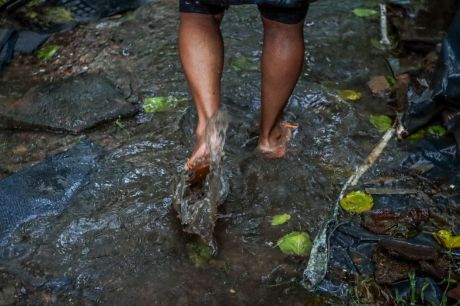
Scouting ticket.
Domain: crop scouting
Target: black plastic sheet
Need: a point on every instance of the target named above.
(46, 188)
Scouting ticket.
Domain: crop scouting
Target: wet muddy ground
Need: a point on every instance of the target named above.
(119, 241)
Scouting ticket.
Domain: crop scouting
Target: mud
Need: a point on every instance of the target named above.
(121, 242)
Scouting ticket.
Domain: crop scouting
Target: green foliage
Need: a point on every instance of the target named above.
(381, 122)
(242, 63)
(198, 252)
(350, 95)
(295, 243)
(162, 104)
(420, 134)
(119, 123)
(357, 202)
(365, 12)
(436, 130)
(280, 219)
(57, 15)
(47, 52)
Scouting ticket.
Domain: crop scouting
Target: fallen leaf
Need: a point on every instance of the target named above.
(244, 64)
(364, 12)
(295, 243)
(446, 239)
(280, 219)
(48, 52)
(21, 149)
(350, 95)
(436, 130)
(357, 202)
(381, 122)
(420, 134)
(379, 85)
(198, 252)
(162, 104)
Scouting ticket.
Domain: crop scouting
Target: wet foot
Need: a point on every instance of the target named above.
(276, 145)
(198, 163)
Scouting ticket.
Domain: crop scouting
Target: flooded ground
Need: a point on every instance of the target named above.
(119, 241)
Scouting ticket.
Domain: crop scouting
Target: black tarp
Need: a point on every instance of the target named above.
(46, 188)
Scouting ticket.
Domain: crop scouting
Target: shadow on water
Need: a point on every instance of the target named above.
(119, 242)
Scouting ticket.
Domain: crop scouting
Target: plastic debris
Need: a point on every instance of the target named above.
(357, 202)
(350, 95)
(447, 239)
(162, 104)
(365, 12)
(295, 243)
(280, 219)
(381, 122)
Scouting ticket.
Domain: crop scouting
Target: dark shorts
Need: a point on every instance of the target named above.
(279, 14)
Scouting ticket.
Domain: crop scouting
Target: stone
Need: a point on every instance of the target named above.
(70, 105)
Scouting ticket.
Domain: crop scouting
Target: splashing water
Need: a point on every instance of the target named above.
(196, 202)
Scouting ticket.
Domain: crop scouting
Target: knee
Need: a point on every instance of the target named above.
(281, 30)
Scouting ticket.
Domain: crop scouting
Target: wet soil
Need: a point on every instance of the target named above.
(119, 242)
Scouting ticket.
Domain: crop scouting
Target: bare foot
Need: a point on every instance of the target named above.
(276, 144)
(199, 156)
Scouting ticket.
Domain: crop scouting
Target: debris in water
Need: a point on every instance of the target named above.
(357, 202)
(381, 122)
(350, 95)
(280, 219)
(365, 12)
(295, 243)
(447, 239)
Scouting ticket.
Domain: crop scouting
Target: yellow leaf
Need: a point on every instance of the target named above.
(446, 239)
(350, 95)
(357, 202)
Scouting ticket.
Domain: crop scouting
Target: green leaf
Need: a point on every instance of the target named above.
(119, 123)
(420, 134)
(242, 63)
(381, 122)
(357, 202)
(436, 130)
(48, 52)
(391, 80)
(280, 219)
(198, 252)
(162, 104)
(295, 243)
(365, 12)
(350, 95)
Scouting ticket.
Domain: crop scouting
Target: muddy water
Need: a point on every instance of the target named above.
(119, 241)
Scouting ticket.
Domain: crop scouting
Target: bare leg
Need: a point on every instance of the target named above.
(282, 62)
(202, 56)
